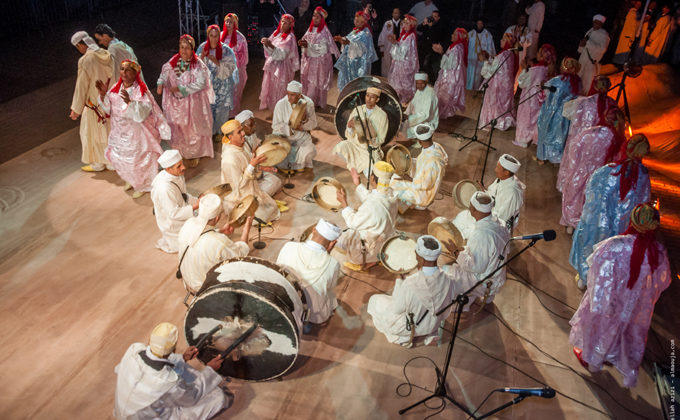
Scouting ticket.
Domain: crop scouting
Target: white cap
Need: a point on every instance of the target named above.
(421, 76)
(244, 116)
(510, 163)
(169, 158)
(294, 86)
(84, 37)
(328, 230)
(599, 18)
(163, 339)
(484, 208)
(425, 252)
(426, 135)
(209, 207)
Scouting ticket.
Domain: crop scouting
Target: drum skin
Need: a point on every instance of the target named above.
(463, 192)
(398, 254)
(388, 102)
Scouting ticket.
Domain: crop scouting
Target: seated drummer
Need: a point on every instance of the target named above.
(507, 192)
(480, 256)
(201, 246)
(415, 300)
(375, 124)
(423, 108)
(369, 226)
(155, 383)
(318, 271)
(239, 170)
(302, 150)
(428, 172)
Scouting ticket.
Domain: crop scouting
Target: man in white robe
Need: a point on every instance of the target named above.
(367, 124)
(536, 14)
(317, 270)
(481, 255)
(239, 170)
(268, 181)
(369, 226)
(156, 383)
(507, 192)
(95, 64)
(302, 150)
(172, 205)
(592, 47)
(479, 39)
(391, 27)
(423, 108)
(427, 173)
(201, 246)
(411, 309)
(119, 50)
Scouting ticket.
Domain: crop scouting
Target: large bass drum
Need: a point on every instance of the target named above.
(238, 293)
(388, 102)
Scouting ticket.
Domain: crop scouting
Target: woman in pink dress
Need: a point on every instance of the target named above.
(450, 85)
(316, 70)
(531, 80)
(281, 63)
(187, 95)
(404, 53)
(238, 43)
(500, 96)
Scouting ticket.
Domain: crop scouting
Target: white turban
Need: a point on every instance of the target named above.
(484, 208)
(294, 86)
(244, 116)
(510, 163)
(421, 76)
(599, 18)
(169, 158)
(163, 339)
(84, 37)
(209, 207)
(426, 135)
(328, 230)
(427, 253)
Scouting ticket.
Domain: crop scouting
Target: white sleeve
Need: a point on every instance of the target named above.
(138, 111)
(524, 79)
(277, 54)
(105, 104)
(318, 49)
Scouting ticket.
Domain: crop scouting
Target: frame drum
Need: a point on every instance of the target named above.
(444, 230)
(463, 192)
(221, 190)
(240, 212)
(398, 254)
(275, 148)
(400, 158)
(325, 192)
(298, 114)
(306, 233)
(237, 293)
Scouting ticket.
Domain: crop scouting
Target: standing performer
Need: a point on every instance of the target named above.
(282, 61)
(450, 85)
(531, 80)
(423, 108)
(120, 51)
(592, 47)
(355, 148)
(240, 171)
(224, 76)
(137, 128)
(156, 383)
(404, 65)
(172, 205)
(500, 96)
(428, 172)
(391, 27)
(628, 32)
(479, 39)
(658, 40)
(612, 192)
(553, 128)
(302, 150)
(318, 47)
(596, 147)
(187, 97)
(627, 275)
(369, 226)
(358, 52)
(317, 270)
(239, 45)
(95, 64)
(536, 14)
(201, 246)
(523, 38)
(418, 297)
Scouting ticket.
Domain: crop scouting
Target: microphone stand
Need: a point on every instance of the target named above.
(367, 133)
(259, 244)
(288, 185)
(461, 300)
(515, 400)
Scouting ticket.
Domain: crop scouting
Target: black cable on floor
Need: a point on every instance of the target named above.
(516, 274)
(539, 299)
(411, 385)
(363, 281)
(292, 196)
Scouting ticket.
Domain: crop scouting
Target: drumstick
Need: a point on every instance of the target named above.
(204, 340)
(238, 341)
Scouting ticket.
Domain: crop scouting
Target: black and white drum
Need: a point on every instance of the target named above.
(238, 293)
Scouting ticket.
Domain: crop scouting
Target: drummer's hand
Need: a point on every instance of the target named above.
(331, 245)
(245, 233)
(216, 362)
(355, 178)
(271, 169)
(256, 160)
(407, 177)
(342, 197)
(190, 353)
(227, 229)
(350, 123)
(195, 205)
(451, 247)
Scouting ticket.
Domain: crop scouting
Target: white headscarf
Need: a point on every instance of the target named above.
(421, 76)
(84, 37)
(599, 18)
(244, 116)
(484, 208)
(328, 230)
(209, 207)
(294, 86)
(506, 162)
(426, 253)
(426, 135)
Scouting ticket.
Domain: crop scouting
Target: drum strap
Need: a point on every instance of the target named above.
(154, 364)
(179, 266)
(184, 195)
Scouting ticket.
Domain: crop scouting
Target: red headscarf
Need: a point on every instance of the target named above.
(218, 48)
(632, 151)
(142, 86)
(507, 42)
(366, 19)
(405, 33)
(461, 38)
(548, 55)
(644, 220)
(284, 35)
(324, 14)
(614, 116)
(194, 58)
(232, 39)
(570, 68)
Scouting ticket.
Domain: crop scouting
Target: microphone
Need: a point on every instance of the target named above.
(262, 222)
(548, 235)
(550, 88)
(545, 392)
